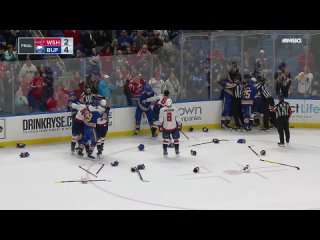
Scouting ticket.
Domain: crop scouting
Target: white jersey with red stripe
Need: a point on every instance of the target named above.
(169, 118)
(159, 99)
(82, 109)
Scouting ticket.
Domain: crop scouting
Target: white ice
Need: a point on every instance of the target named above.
(29, 183)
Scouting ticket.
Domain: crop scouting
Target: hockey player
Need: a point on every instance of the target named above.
(77, 113)
(160, 101)
(102, 125)
(89, 135)
(249, 91)
(227, 94)
(169, 125)
(145, 107)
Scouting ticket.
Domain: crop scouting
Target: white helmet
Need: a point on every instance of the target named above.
(169, 102)
(103, 103)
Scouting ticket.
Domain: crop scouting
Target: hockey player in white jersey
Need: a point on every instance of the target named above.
(102, 125)
(169, 125)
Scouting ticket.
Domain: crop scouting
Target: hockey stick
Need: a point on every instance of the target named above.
(253, 151)
(208, 142)
(88, 171)
(138, 171)
(100, 168)
(280, 164)
(184, 134)
(97, 180)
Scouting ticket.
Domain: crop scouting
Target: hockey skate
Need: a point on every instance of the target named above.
(177, 152)
(73, 148)
(136, 132)
(80, 153)
(90, 156)
(281, 145)
(236, 129)
(165, 153)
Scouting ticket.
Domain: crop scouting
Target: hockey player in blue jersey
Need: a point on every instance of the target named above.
(248, 94)
(145, 107)
(102, 125)
(227, 94)
(89, 136)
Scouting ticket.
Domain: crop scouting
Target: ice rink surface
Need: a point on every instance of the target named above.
(30, 183)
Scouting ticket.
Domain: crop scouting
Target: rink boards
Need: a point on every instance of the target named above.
(55, 127)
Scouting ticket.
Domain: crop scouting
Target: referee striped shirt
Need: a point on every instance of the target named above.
(264, 91)
(238, 91)
(282, 109)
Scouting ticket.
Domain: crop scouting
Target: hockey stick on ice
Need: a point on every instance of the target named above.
(208, 142)
(253, 151)
(184, 135)
(71, 181)
(280, 164)
(138, 171)
(100, 169)
(88, 171)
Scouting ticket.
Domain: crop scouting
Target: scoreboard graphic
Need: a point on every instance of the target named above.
(28, 45)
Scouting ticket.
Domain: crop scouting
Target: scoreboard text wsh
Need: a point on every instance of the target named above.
(28, 45)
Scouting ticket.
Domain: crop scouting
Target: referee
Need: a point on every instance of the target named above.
(236, 104)
(283, 113)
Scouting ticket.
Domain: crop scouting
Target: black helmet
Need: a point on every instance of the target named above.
(166, 93)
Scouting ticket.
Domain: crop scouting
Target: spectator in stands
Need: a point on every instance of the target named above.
(302, 61)
(201, 59)
(127, 90)
(105, 88)
(136, 86)
(173, 86)
(163, 34)
(94, 62)
(215, 54)
(87, 41)
(49, 81)
(26, 76)
(120, 61)
(92, 81)
(167, 44)
(234, 72)
(118, 93)
(262, 63)
(3, 43)
(35, 93)
(139, 41)
(12, 38)
(125, 40)
(106, 59)
(304, 82)
(77, 84)
(21, 102)
(8, 95)
(157, 84)
(197, 85)
(155, 42)
(101, 38)
(115, 46)
(143, 56)
(283, 82)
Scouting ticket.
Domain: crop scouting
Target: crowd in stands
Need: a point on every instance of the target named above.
(117, 64)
